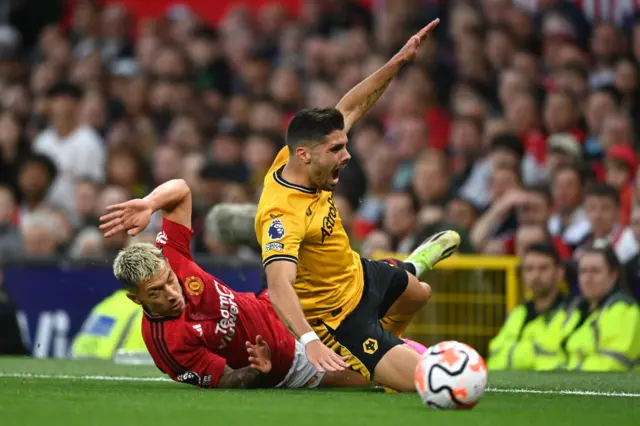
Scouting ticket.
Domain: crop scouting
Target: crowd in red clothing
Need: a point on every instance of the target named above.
(516, 122)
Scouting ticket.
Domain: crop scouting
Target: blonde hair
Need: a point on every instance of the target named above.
(137, 263)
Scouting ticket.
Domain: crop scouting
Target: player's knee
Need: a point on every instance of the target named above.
(426, 291)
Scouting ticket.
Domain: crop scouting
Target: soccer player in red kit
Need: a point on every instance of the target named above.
(197, 330)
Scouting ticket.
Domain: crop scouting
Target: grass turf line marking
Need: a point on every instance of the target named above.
(69, 377)
(164, 379)
(565, 392)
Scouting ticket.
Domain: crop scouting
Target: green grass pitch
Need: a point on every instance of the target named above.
(86, 393)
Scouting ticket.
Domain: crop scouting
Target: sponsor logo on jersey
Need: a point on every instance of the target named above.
(194, 286)
(276, 230)
(329, 221)
(190, 378)
(161, 238)
(198, 329)
(229, 312)
(274, 247)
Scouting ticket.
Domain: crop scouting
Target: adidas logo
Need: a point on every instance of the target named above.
(161, 238)
(198, 328)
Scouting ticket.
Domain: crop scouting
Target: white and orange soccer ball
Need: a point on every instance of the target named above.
(451, 375)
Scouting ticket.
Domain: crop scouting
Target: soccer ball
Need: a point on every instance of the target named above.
(451, 375)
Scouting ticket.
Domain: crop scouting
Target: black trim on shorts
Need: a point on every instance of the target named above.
(277, 257)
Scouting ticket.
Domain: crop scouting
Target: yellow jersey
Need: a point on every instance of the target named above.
(302, 225)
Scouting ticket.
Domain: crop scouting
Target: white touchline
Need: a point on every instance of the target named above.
(565, 392)
(164, 379)
(69, 377)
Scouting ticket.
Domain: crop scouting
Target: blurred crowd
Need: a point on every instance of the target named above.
(514, 125)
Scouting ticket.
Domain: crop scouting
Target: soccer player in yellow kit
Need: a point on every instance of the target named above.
(349, 312)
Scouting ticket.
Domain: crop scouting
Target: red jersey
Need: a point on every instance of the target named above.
(212, 329)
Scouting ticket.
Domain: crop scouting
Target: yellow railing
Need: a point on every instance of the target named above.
(471, 297)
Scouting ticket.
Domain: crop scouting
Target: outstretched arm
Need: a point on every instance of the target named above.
(355, 104)
(174, 199)
(133, 216)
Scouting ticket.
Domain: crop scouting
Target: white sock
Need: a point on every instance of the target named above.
(419, 269)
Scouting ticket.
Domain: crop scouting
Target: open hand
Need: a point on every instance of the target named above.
(259, 355)
(131, 216)
(410, 49)
(323, 358)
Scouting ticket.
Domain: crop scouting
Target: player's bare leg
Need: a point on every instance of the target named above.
(344, 379)
(397, 318)
(425, 257)
(397, 368)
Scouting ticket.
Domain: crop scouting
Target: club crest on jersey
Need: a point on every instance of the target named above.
(194, 286)
(276, 230)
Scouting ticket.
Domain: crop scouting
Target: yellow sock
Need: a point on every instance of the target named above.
(396, 324)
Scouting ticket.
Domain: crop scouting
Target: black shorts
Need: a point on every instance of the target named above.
(361, 332)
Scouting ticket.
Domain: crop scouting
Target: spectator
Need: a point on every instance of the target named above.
(165, 164)
(40, 235)
(626, 83)
(522, 113)
(601, 104)
(602, 207)
(465, 148)
(617, 129)
(507, 93)
(506, 151)
(400, 219)
(86, 203)
(88, 244)
(621, 167)
(13, 149)
(377, 241)
(379, 167)
(110, 195)
(632, 271)
(513, 348)
(125, 168)
(36, 175)
(461, 213)
(601, 331)
(259, 151)
(9, 234)
(564, 149)
(573, 78)
(431, 179)
(411, 138)
(75, 149)
(561, 114)
(569, 221)
(605, 43)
